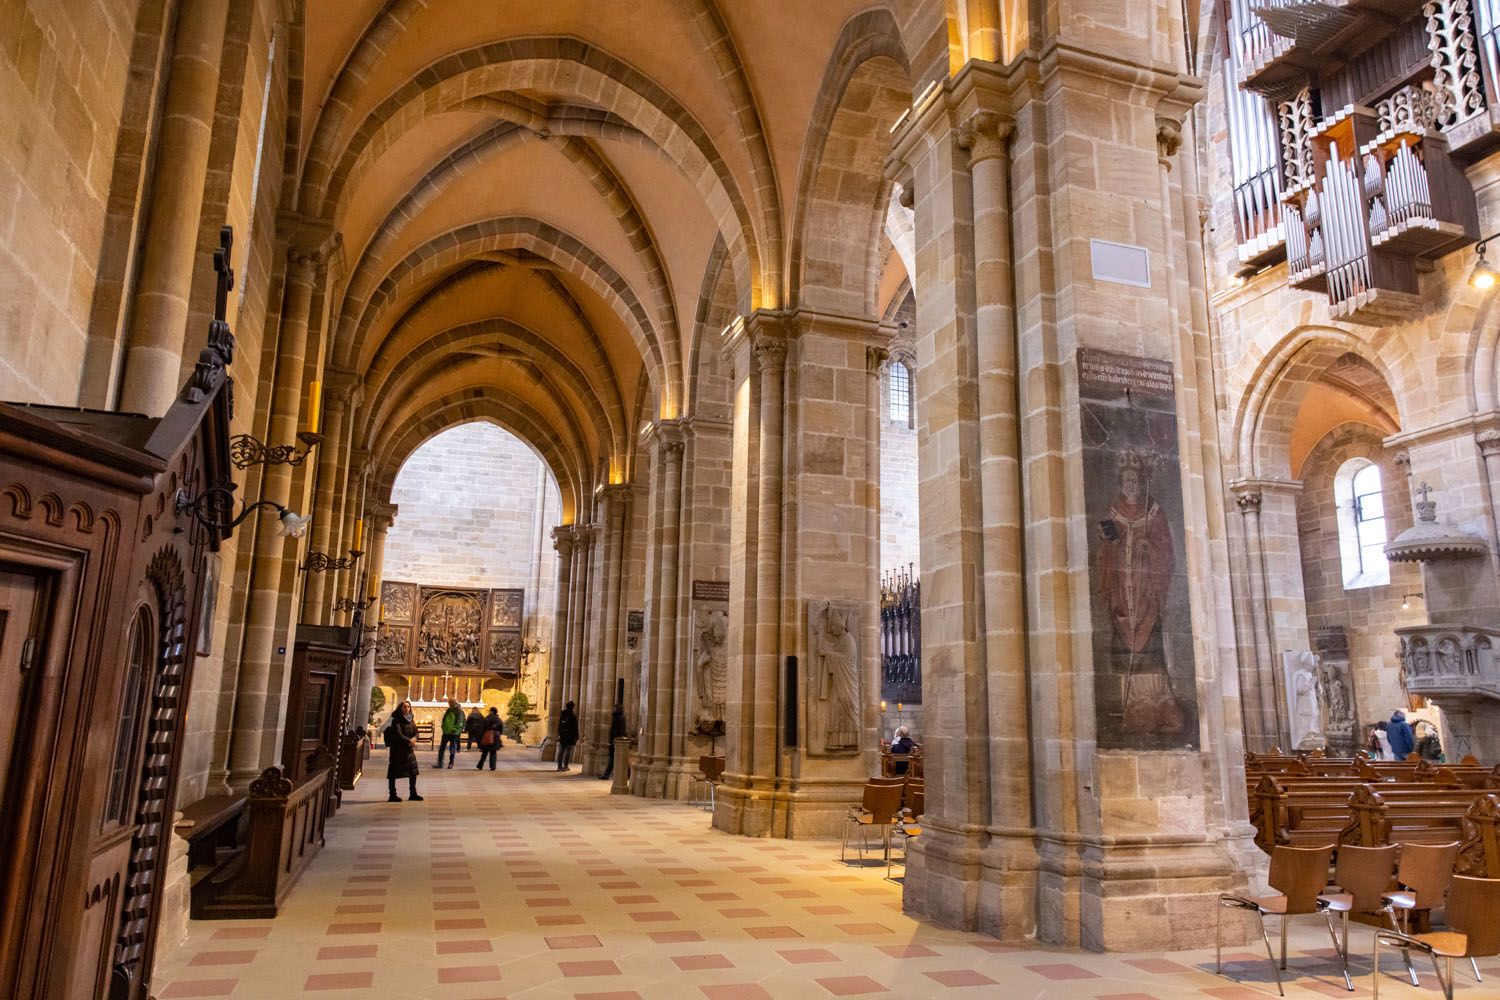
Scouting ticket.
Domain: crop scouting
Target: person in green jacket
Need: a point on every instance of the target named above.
(453, 728)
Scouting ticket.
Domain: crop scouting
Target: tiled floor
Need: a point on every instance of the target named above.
(526, 883)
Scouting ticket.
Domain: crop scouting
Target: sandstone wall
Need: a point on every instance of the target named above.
(63, 75)
(476, 506)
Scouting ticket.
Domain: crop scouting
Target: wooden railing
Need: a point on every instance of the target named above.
(283, 833)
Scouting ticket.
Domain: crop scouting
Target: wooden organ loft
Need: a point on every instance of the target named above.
(1350, 123)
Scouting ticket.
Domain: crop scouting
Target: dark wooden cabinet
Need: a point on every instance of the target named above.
(101, 582)
(317, 698)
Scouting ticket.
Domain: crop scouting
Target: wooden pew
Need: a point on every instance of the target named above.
(1311, 812)
(1479, 855)
(283, 833)
(1406, 815)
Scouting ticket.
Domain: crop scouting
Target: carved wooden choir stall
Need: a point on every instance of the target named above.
(103, 557)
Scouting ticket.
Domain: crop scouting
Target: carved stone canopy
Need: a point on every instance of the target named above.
(1431, 540)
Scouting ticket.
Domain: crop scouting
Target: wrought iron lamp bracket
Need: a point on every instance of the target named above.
(246, 450)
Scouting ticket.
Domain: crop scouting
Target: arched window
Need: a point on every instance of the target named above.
(137, 671)
(900, 405)
(1361, 519)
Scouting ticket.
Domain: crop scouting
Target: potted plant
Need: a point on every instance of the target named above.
(515, 715)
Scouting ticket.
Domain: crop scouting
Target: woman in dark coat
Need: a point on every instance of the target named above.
(489, 738)
(399, 736)
(473, 727)
(567, 736)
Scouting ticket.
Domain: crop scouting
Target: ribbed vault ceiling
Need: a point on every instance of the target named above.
(533, 199)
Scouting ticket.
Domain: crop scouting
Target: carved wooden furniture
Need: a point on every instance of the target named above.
(102, 574)
(283, 833)
(317, 705)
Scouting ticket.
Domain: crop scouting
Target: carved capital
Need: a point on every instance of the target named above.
(1168, 137)
(985, 135)
(309, 241)
(1248, 500)
(562, 539)
(669, 438)
(339, 387)
(383, 515)
(875, 358)
(770, 353)
(1402, 461)
(617, 496)
(1488, 441)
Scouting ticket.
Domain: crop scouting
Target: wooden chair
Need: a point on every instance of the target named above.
(1474, 931)
(1363, 874)
(710, 771)
(1298, 874)
(877, 809)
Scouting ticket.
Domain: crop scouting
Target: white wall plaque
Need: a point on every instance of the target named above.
(1121, 263)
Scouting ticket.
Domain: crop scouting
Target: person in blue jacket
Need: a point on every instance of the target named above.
(1403, 740)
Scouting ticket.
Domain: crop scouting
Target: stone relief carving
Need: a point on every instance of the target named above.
(449, 635)
(1304, 704)
(398, 601)
(1336, 690)
(505, 652)
(834, 681)
(711, 662)
(391, 646)
(506, 608)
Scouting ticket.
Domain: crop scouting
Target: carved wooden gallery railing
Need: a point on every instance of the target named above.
(901, 637)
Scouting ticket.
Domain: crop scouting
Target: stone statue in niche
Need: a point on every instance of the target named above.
(711, 662)
(1341, 728)
(834, 680)
(1305, 711)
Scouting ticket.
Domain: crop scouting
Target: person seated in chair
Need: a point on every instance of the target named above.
(902, 744)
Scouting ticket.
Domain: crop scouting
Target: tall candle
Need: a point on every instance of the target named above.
(359, 532)
(315, 408)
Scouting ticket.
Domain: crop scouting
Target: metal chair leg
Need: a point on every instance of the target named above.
(1446, 984)
(1475, 962)
(1270, 954)
(1343, 958)
(1284, 919)
(1375, 965)
(1219, 940)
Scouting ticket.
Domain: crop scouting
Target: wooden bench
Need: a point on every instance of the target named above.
(1311, 812)
(427, 732)
(282, 834)
(211, 826)
(1406, 815)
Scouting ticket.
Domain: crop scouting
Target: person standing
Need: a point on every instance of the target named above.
(453, 727)
(616, 732)
(489, 738)
(400, 736)
(473, 728)
(1403, 740)
(567, 736)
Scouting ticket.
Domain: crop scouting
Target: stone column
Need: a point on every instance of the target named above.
(584, 577)
(1258, 702)
(601, 668)
(752, 761)
(666, 682)
(562, 541)
(1129, 838)
(382, 516)
(268, 641)
(159, 312)
(338, 387)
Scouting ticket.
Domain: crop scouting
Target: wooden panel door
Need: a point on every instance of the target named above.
(20, 620)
